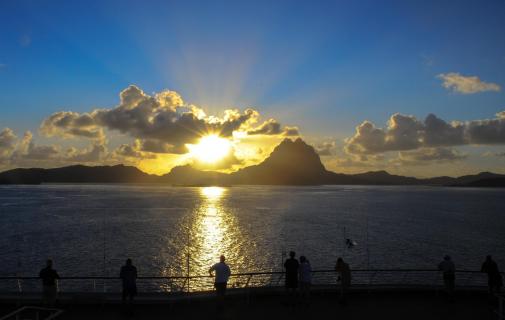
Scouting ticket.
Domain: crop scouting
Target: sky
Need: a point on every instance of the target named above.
(411, 87)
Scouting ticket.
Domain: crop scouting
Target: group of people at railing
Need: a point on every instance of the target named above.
(490, 267)
(298, 278)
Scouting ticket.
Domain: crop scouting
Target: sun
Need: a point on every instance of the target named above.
(210, 149)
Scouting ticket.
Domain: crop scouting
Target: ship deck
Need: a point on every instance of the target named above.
(362, 304)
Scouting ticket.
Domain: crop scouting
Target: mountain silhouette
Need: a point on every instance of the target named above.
(290, 163)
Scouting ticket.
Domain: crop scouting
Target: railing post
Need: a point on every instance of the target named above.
(20, 288)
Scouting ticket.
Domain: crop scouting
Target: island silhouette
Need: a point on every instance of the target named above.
(292, 162)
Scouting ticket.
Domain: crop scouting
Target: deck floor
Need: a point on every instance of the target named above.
(385, 305)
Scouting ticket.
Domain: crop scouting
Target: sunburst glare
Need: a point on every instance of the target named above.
(210, 149)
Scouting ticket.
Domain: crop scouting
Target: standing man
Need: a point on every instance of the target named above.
(49, 277)
(128, 275)
(448, 270)
(222, 274)
(291, 265)
(494, 278)
(344, 276)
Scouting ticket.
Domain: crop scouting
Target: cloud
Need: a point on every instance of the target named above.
(7, 144)
(494, 154)
(162, 122)
(67, 124)
(25, 152)
(28, 150)
(407, 133)
(428, 155)
(325, 148)
(402, 133)
(466, 84)
(133, 150)
(94, 153)
(272, 127)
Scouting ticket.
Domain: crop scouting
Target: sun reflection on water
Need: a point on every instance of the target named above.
(212, 230)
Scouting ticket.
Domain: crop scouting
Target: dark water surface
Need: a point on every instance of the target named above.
(89, 230)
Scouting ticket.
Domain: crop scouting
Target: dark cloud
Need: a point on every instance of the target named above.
(95, 153)
(407, 133)
(68, 124)
(428, 155)
(272, 127)
(163, 122)
(28, 150)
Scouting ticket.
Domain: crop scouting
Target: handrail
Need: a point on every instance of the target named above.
(233, 274)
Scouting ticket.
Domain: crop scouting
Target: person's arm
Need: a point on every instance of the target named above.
(121, 273)
(135, 273)
(211, 270)
(483, 268)
(56, 275)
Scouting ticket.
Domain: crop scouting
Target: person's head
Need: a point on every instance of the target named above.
(303, 259)
(489, 258)
(49, 263)
(292, 254)
(340, 261)
(128, 262)
(447, 258)
(222, 259)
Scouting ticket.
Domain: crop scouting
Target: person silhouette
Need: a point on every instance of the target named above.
(221, 273)
(128, 275)
(49, 277)
(344, 276)
(448, 270)
(305, 278)
(291, 266)
(494, 278)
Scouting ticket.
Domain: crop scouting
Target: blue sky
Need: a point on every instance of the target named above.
(324, 66)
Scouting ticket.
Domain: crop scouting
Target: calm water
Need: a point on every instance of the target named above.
(90, 229)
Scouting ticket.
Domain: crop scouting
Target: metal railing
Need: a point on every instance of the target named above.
(366, 278)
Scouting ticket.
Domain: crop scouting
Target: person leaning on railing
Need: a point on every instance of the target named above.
(495, 280)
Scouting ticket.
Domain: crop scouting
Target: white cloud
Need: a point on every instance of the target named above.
(466, 84)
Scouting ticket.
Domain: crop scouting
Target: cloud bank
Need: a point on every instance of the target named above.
(157, 124)
(405, 132)
(163, 122)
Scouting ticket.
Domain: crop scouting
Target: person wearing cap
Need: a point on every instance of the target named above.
(448, 270)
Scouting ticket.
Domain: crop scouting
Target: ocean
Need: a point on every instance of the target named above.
(89, 230)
